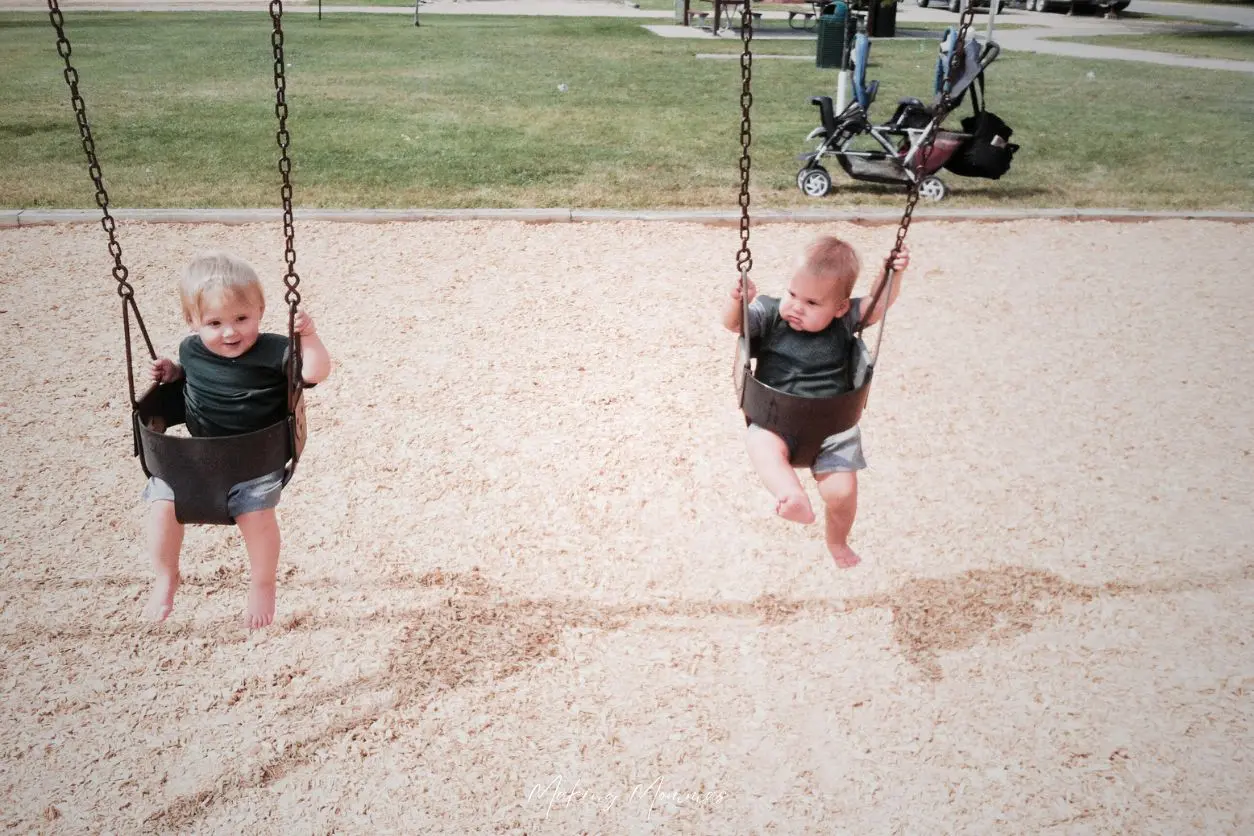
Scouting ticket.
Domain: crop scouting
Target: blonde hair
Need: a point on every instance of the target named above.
(218, 274)
(829, 258)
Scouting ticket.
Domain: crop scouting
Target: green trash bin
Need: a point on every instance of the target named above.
(832, 31)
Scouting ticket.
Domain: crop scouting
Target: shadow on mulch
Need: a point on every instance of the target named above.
(475, 635)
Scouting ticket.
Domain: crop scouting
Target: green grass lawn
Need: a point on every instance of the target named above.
(465, 111)
(1233, 44)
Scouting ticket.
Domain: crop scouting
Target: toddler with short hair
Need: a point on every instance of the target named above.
(235, 382)
(803, 343)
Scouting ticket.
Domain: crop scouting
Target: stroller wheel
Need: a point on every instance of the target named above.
(933, 189)
(814, 181)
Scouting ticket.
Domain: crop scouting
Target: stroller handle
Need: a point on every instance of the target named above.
(989, 55)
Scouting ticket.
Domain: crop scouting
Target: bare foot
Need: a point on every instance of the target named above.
(161, 599)
(260, 605)
(843, 555)
(795, 508)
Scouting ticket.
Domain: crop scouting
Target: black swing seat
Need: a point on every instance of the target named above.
(202, 470)
(808, 420)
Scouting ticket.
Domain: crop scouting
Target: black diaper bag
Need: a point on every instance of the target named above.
(989, 151)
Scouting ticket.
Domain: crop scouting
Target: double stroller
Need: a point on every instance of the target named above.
(892, 153)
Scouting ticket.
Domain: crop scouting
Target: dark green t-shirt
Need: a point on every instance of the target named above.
(812, 364)
(234, 395)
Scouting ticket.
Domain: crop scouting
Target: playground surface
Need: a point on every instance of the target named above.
(530, 584)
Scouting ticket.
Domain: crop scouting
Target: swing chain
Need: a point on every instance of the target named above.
(929, 137)
(925, 149)
(744, 259)
(125, 290)
(290, 279)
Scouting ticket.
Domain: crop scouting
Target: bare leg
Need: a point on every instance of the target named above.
(769, 455)
(840, 494)
(261, 538)
(165, 540)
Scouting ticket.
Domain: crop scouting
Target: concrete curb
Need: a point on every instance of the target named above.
(16, 218)
(403, 215)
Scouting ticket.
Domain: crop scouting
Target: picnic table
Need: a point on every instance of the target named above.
(811, 10)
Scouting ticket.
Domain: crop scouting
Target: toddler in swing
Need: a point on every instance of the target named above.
(803, 342)
(235, 382)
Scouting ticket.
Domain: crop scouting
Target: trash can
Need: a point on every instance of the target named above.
(881, 19)
(833, 32)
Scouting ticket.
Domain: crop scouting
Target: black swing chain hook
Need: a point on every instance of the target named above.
(290, 279)
(125, 290)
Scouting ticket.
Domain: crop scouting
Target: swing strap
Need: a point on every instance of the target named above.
(977, 94)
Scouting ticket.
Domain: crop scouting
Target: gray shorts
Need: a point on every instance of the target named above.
(840, 453)
(254, 495)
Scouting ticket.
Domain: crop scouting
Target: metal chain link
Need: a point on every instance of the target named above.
(290, 279)
(943, 107)
(120, 273)
(744, 258)
(929, 136)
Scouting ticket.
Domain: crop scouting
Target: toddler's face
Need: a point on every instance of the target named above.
(811, 302)
(228, 325)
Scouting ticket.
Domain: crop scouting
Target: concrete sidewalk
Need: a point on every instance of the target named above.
(1239, 15)
(1044, 41)
(1038, 32)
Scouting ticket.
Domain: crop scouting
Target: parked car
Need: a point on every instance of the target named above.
(956, 5)
(1105, 6)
